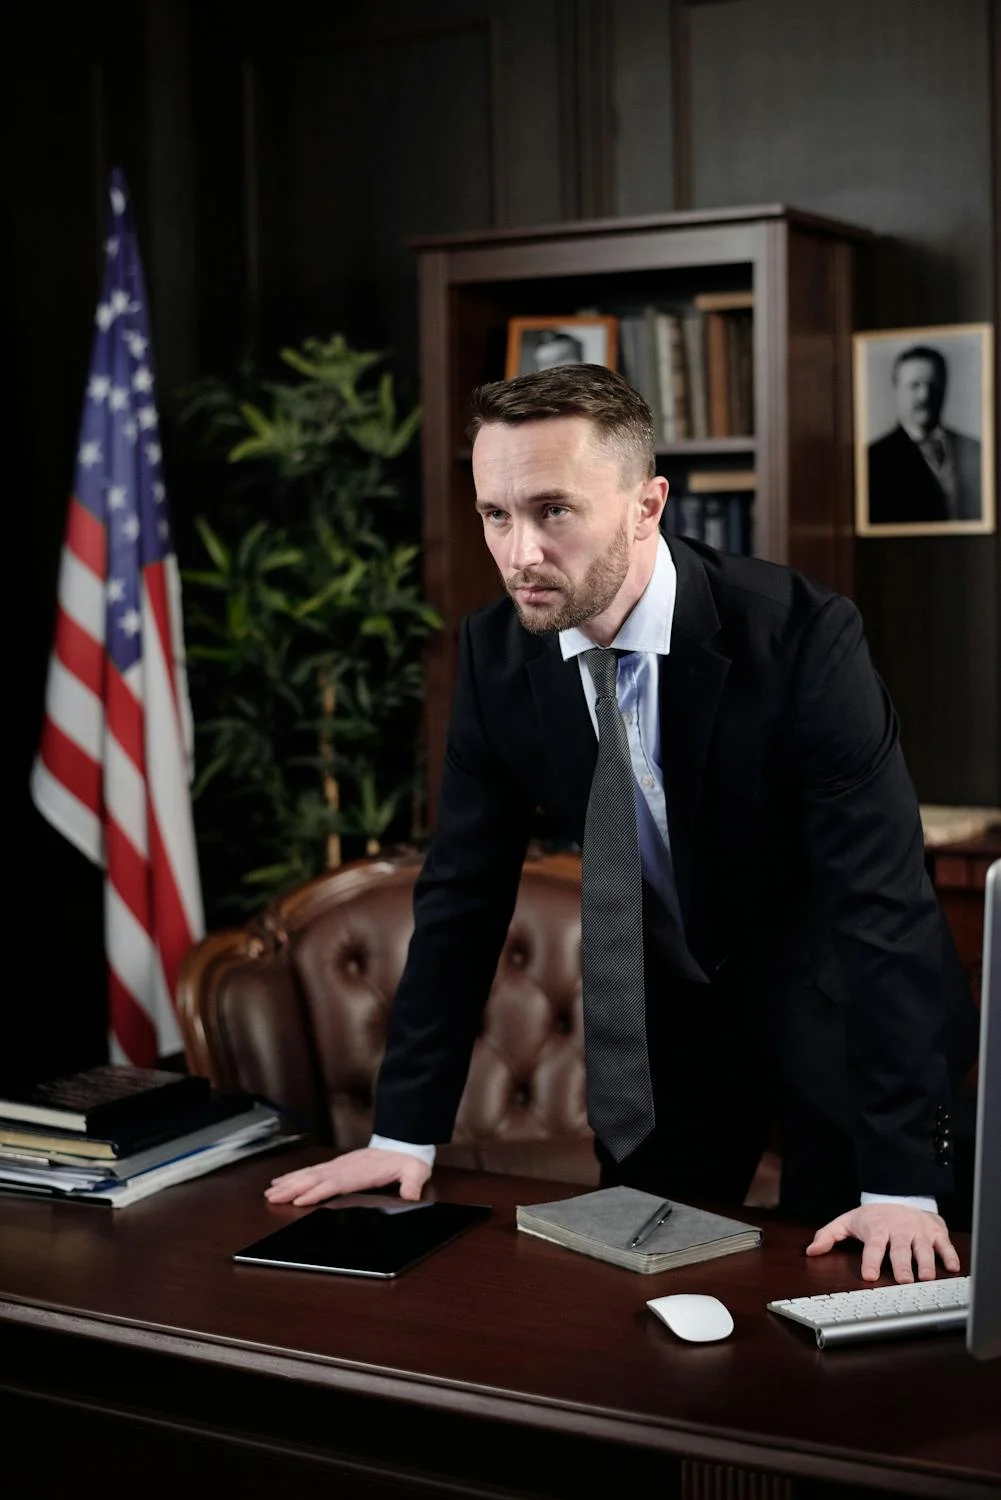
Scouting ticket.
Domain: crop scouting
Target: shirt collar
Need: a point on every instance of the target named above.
(647, 627)
(936, 433)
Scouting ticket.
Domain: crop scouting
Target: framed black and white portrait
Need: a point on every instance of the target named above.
(924, 431)
(543, 343)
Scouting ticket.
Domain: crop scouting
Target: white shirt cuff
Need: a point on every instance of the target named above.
(383, 1143)
(928, 1204)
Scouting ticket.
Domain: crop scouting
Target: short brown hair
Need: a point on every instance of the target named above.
(619, 413)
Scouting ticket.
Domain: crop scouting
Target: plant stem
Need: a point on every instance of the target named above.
(331, 789)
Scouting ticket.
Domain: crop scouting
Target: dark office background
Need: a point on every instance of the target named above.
(279, 159)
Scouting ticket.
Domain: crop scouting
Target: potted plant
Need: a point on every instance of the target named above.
(305, 632)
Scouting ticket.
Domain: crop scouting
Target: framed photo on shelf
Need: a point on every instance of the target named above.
(543, 343)
(924, 431)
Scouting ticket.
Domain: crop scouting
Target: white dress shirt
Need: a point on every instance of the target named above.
(646, 635)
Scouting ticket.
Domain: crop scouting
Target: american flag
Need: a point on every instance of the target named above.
(114, 763)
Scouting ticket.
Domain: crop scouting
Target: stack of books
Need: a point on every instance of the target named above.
(694, 365)
(716, 507)
(113, 1135)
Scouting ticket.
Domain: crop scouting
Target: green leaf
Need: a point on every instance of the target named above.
(209, 580)
(255, 418)
(268, 874)
(287, 557)
(214, 546)
(378, 625)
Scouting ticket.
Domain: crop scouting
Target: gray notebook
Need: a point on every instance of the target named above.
(603, 1222)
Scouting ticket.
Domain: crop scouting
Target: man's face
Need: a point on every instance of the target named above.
(920, 392)
(558, 516)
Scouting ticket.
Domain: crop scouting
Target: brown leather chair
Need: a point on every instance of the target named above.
(295, 1006)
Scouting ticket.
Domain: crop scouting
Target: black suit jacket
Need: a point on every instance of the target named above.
(902, 488)
(796, 844)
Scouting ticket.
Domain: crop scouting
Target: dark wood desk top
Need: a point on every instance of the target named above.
(504, 1326)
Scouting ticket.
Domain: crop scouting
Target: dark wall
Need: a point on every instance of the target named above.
(280, 158)
(881, 114)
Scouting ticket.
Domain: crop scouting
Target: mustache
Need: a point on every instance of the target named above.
(527, 580)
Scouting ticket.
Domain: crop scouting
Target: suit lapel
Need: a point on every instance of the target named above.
(692, 677)
(567, 731)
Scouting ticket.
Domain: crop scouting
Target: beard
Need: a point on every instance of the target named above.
(576, 604)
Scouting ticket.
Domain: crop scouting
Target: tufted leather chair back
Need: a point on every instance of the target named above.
(295, 1006)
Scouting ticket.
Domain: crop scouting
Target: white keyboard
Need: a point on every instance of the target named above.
(881, 1312)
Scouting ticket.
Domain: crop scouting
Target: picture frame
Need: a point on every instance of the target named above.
(924, 430)
(543, 343)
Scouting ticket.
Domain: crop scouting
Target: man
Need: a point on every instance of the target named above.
(790, 939)
(922, 471)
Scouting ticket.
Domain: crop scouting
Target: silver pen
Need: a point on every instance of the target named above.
(656, 1219)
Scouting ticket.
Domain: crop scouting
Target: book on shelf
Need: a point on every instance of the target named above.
(601, 1224)
(693, 336)
(721, 481)
(720, 520)
(97, 1100)
(683, 516)
(723, 301)
(714, 522)
(740, 373)
(717, 375)
(672, 377)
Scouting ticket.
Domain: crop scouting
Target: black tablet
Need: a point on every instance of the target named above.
(364, 1235)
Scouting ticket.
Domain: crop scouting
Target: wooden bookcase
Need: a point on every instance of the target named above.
(800, 270)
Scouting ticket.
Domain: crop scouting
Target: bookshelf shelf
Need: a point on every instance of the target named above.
(797, 271)
(689, 448)
(706, 447)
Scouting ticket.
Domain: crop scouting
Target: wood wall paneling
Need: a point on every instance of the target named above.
(644, 126)
(881, 114)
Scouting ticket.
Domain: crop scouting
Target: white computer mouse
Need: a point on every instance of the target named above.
(694, 1317)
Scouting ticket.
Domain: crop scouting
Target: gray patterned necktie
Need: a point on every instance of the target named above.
(619, 1095)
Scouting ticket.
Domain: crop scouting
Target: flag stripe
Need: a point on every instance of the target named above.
(166, 770)
(133, 960)
(130, 1025)
(73, 709)
(85, 537)
(173, 928)
(127, 873)
(125, 795)
(81, 595)
(79, 653)
(156, 599)
(67, 814)
(79, 773)
(125, 718)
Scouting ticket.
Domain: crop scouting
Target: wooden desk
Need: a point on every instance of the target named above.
(134, 1351)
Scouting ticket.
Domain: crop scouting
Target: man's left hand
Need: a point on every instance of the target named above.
(912, 1235)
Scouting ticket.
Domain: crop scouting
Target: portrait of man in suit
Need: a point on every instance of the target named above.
(545, 343)
(920, 413)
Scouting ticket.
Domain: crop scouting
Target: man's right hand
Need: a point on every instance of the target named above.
(354, 1172)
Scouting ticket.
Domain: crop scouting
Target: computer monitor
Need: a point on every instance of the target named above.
(983, 1328)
